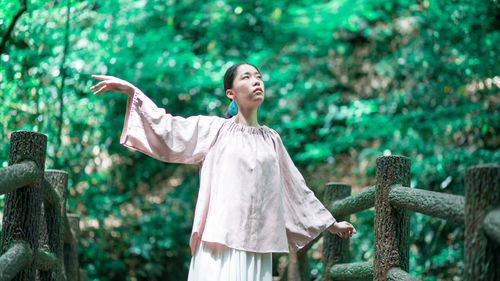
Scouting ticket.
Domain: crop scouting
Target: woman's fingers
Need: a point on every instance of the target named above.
(111, 83)
(102, 77)
(103, 89)
(347, 232)
(102, 86)
(99, 85)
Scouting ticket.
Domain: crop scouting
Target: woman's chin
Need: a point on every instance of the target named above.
(259, 98)
(259, 102)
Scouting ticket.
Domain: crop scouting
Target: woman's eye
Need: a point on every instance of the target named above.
(245, 77)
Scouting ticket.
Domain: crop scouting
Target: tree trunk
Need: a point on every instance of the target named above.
(61, 89)
(22, 9)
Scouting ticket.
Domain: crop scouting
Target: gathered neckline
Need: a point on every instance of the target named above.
(242, 127)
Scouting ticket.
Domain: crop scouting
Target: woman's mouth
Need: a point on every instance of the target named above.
(258, 90)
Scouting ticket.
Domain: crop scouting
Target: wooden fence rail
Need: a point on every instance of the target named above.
(478, 210)
(38, 241)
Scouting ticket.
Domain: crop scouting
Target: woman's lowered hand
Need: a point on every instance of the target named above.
(343, 229)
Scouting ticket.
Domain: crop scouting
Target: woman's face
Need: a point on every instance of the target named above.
(248, 88)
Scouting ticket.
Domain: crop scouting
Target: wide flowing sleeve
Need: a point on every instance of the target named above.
(305, 216)
(176, 139)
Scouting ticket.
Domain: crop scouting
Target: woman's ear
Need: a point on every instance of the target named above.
(230, 94)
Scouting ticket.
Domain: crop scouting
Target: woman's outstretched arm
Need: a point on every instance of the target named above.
(157, 133)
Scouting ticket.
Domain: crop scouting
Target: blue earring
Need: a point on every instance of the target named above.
(233, 108)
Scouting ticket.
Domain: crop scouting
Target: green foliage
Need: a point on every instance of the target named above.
(346, 82)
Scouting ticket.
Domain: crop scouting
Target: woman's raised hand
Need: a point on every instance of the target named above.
(343, 229)
(111, 83)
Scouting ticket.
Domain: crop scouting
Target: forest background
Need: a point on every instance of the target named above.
(346, 82)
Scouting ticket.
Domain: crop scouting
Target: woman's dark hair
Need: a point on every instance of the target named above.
(231, 73)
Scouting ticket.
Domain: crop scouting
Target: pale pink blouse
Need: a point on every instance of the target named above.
(251, 195)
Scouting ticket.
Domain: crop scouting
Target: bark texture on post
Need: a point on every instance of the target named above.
(298, 263)
(15, 259)
(298, 266)
(482, 194)
(59, 180)
(352, 271)
(43, 245)
(491, 225)
(17, 175)
(83, 275)
(45, 262)
(53, 237)
(22, 206)
(354, 203)
(396, 274)
(335, 249)
(71, 250)
(436, 204)
(392, 225)
(68, 233)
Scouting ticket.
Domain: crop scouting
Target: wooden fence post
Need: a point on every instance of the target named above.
(298, 265)
(71, 250)
(83, 275)
(22, 207)
(335, 249)
(482, 195)
(52, 222)
(392, 225)
(59, 180)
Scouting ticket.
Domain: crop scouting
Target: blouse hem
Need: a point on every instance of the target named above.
(246, 249)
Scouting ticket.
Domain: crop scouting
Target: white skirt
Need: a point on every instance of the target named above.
(216, 262)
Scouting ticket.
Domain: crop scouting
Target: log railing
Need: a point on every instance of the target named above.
(39, 240)
(478, 210)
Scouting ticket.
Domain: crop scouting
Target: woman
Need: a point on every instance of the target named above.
(252, 200)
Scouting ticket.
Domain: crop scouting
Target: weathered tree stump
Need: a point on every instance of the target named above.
(335, 249)
(22, 206)
(392, 225)
(482, 194)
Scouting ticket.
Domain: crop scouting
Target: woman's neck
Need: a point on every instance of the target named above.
(248, 118)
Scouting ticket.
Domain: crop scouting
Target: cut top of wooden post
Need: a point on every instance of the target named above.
(26, 145)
